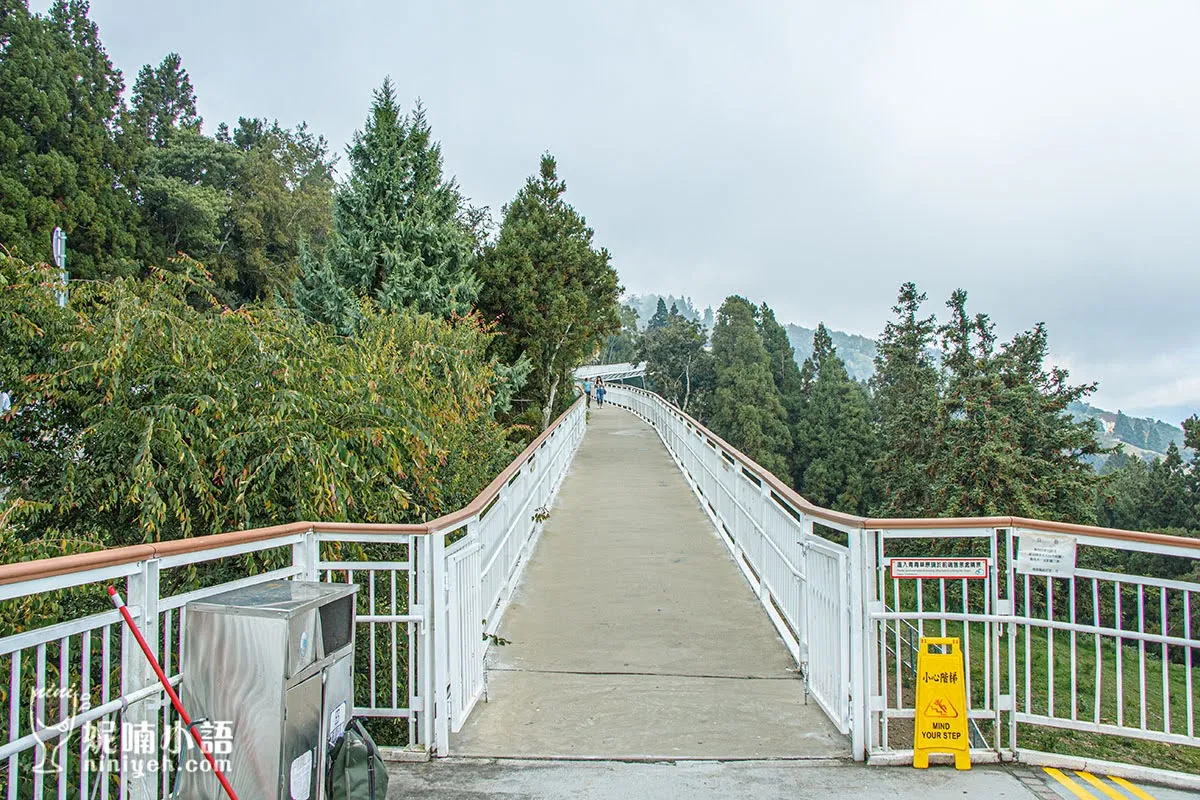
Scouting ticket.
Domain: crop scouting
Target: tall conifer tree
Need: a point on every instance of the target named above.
(784, 371)
(746, 408)
(401, 231)
(906, 399)
(163, 101)
(552, 293)
(61, 162)
(659, 318)
(835, 439)
(1006, 443)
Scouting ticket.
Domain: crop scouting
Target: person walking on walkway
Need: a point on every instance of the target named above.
(587, 391)
(600, 391)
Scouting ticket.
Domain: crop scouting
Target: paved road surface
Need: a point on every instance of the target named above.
(486, 779)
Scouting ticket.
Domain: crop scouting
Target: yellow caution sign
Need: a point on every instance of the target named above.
(941, 703)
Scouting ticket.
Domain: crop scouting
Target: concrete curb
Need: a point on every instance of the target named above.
(413, 754)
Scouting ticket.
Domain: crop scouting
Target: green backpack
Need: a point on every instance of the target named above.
(356, 770)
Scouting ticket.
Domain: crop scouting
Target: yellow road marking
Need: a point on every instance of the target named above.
(1133, 790)
(1101, 785)
(1072, 787)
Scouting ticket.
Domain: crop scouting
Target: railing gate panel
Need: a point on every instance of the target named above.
(465, 613)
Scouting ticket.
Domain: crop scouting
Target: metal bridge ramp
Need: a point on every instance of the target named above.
(633, 635)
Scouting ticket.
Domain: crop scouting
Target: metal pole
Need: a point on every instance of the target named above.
(58, 244)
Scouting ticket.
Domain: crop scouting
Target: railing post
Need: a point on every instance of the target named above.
(764, 500)
(1010, 590)
(861, 568)
(141, 738)
(805, 623)
(423, 561)
(306, 555)
(439, 619)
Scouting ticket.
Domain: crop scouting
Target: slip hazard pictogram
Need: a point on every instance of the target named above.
(941, 709)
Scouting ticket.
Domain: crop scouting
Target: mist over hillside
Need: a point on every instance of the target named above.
(646, 304)
(858, 352)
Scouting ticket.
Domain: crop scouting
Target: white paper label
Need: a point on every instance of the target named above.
(337, 723)
(1046, 554)
(301, 785)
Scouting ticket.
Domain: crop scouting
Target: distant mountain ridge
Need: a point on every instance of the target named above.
(1142, 436)
(858, 352)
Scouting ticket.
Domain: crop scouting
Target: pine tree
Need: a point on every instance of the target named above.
(822, 350)
(163, 101)
(906, 399)
(834, 436)
(659, 320)
(1191, 439)
(1168, 501)
(400, 230)
(1122, 492)
(784, 371)
(1191, 435)
(1006, 443)
(746, 408)
(61, 163)
(552, 293)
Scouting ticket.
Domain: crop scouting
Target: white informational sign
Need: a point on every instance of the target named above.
(301, 783)
(1047, 554)
(933, 568)
(58, 246)
(337, 723)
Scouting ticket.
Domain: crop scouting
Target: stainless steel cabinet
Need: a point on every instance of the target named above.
(274, 662)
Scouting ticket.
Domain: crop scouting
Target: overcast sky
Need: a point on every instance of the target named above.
(1043, 156)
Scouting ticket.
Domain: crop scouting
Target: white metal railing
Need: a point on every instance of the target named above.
(86, 675)
(1093, 650)
(424, 591)
(610, 372)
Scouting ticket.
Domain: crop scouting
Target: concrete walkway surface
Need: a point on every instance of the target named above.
(633, 634)
(482, 779)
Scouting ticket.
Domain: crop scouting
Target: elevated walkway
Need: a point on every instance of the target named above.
(633, 635)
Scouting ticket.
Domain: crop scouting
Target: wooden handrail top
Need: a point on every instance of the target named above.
(803, 505)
